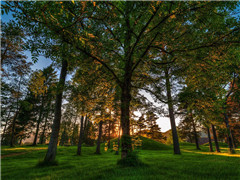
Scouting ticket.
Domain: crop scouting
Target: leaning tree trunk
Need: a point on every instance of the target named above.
(215, 138)
(38, 123)
(171, 114)
(79, 150)
(195, 133)
(99, 137)
(229, 134)
(52, 147)
(209, 140)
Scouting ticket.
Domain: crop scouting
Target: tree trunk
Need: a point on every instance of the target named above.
(52, 147)
(16, 115)
(229, 134)
(20, 142)
(176, 146)
(79, 150)
(215, 138)
(119, 129)
(38, 123)
(13, 129)
(42, 138)
(234, 142)
(109, 135)
(5, 126)
(209, 140)
(74, 125)
(125, 123)
(99, 137)
(86, 128)
(195, 134)
(85, 123)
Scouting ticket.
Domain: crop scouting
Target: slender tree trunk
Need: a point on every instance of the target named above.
(79, 150)
(176, 146)
(109, 135)
(215, 138)
(52, 147)
(195, 133)
(85, 123)
(113, 129)
(42, 138)
(74, 125)
(38, 123)
(5, 126)
(86, 128)
(20, 142)
(209, 140)
(13, 129)
(234, 142)
(119, 130)
(99, 137)
(16, 115)
(229, 134)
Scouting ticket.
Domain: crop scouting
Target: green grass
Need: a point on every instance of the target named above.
(159, 163)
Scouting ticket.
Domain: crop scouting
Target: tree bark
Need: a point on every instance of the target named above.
(99, 137)
(16, 115)
(176, 146)
(79, 150)
(125, 123)
(42, 138)
(119, 130)
(74, 125)
(209, 140)
(5, 126)
(13, 129)
(52, 147)
(215, 138)
(109, 135)
(229, 134)
(85, 123)
(38, 123)
(195, 134)
(86, 129)
(234, 142)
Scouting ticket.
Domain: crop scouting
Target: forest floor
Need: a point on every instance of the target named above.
(160, 163)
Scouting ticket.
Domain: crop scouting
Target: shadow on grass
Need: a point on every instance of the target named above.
(132, 160)
(43, 163)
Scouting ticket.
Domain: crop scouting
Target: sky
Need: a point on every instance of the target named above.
(163, 122)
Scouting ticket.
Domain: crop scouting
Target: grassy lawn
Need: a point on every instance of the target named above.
(160, 163)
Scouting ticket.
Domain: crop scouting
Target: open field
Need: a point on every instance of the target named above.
(160, 163)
